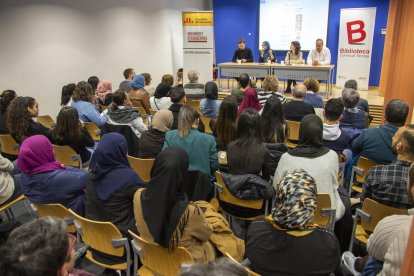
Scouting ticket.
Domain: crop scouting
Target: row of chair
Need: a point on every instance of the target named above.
(106, 238)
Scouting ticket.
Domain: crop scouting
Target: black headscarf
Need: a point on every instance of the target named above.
(211, 90)
(162, 90)
(164, 203)
(310, 138)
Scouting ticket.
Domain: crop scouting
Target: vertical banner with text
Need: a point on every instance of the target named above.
(356, 32)
(198, 44)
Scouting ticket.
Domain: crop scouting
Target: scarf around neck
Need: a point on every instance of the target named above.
(123, 114)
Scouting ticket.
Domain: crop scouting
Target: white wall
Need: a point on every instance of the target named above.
(47, 44)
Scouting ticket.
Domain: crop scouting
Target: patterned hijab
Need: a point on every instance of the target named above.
(295, 200)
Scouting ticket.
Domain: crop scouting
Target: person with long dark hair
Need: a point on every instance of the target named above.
(83, 100)
(5, 99)
(275, 132)
(20, 121)
(69, 131)
(225, 127)
(67, 92)
(293, 56)
(210, 105)
(200, 147)
(246, 154)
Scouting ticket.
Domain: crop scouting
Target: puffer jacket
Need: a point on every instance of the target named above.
(248, 186)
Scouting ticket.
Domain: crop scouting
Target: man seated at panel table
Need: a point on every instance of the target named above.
(320, 55)
(242, 53)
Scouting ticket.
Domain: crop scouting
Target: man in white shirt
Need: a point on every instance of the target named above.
(319, 56)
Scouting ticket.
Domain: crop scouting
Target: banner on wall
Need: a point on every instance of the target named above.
(198, 44)
(356, 32)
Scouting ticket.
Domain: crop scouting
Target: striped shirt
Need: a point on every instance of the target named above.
(388, 242)
(264, 96)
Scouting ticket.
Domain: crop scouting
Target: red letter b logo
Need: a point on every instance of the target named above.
(359, 29)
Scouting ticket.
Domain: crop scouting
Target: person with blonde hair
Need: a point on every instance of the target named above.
(270, 86)
(200, 147)
(312, 87)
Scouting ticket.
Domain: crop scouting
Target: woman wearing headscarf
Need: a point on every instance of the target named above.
(104, 92)
(287, 242)
(266, 53)
(138, 96)
(45, 181)
(319, 161)
(112, 184)
(152, 140)
(250, 100)
(210, 105)
(163, 213)
(161, 98)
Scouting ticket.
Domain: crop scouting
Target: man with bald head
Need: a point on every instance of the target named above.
(387, 184)
(320, 55)
(296, 109)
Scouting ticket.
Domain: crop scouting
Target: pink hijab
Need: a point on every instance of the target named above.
(250, 100)
(36, 155)
(104, 88)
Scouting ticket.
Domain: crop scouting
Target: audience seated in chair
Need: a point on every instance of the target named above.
(129, 75)
(93, 81)
(387, 184)
(5, 99)
(245, 83)
(152, 140)
(21, 112)
(194, 89)
(287, 243)
(121, 112)
(224, 128)
(112, 184)
(353, 119)
(312, 98)
(10, 181)
(67, 93)
(210, 105)
(250, 101)
(104, 92)
(163, 213)
(362, 103)
(150, 89)
(200, 147)
(270, 86)
(333, 137)
(44, 180)
(376, 143)
(274, 130)
(296, 109)
(168, 79)
(69, 131)
(161, 99)
(40, 247)
(138, 96)
(83, 101)
(246, 154)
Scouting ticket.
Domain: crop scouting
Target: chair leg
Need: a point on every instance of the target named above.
(9, 214)
(29, 209)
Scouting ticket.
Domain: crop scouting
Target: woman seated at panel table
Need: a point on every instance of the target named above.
(266, 53)
(293, 56)
(287, 242)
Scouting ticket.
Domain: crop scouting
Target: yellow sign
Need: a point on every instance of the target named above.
(197, 18)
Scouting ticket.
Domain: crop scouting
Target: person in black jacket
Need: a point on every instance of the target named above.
(20, 122)
(5, 99)
(242, 53)
(69, 131)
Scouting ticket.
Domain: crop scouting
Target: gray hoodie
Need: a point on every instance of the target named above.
(331, 132)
